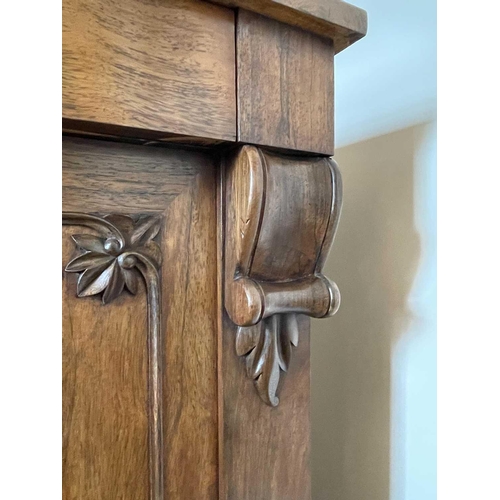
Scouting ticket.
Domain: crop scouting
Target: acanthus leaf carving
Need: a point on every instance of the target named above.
(267, 348)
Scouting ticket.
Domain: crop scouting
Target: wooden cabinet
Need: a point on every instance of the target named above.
(199, 204)
(164, 67)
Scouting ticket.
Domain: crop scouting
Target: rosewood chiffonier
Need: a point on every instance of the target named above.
(200, 201)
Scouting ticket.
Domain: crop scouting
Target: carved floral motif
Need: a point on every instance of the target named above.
(110, 263)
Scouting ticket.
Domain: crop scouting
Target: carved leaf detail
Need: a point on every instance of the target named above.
(109, 263)
(89, 242)
(153, 251)
(145, 230)
(94, 280)
(130, 276)
(289, 336)
(291, 325)
(246, 339)
(115, 284)
(123, 223)
(268, 349)
(88, 260)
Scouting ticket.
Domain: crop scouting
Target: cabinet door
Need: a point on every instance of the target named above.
(139, 322)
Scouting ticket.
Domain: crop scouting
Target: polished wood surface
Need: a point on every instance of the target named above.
(190, 277)
(160, 66)
(281, 217)
(113, 261)
(340, 21)
(105, 421)
(197, 136)
(265, 450)
(285, 85)
(105, 372)
(281, 214)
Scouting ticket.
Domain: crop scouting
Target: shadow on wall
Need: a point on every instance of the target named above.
(374, 261)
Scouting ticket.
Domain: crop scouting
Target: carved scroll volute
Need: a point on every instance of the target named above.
(281, 217)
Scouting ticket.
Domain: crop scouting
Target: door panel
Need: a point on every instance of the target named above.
(139, 378)
(105, 421)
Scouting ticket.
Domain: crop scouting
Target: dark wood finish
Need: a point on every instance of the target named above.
(105, 367)
(285, 85)
(105, 421)
(265, 450)
(124, 250)
(197, 265)
(342, 22)
(161, 66)
(92, 130)
(190, 275)
(281, 217)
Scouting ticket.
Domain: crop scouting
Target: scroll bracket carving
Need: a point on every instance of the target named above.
(281, 216)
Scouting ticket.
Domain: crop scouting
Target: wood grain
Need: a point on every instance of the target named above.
(190, 277)
(98, 176)
(281, 213)
(105, 375)
(342, 22)
(105, 423)
(279, 216)
(266, 450)
(160, 66)
(285, 85)
(123, 252)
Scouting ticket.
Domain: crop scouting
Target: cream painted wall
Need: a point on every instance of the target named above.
(374, 363)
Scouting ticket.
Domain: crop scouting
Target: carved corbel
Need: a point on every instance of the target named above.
(281, 216)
